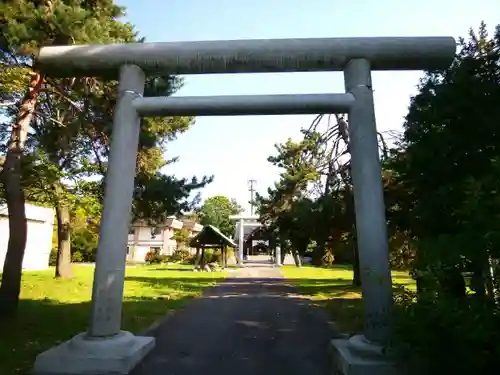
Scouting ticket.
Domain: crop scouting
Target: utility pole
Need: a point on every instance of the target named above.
(251, 183)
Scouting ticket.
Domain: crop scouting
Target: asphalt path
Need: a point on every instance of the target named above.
(254, 323)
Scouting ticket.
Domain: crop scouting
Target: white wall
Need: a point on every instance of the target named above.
(140, 253)
(39, 240)
(169, 244)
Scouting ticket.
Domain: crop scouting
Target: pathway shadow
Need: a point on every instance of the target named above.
(342, 300)
(243, 326)
(42, 324)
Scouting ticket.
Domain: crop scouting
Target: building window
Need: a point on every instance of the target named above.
(155, 232)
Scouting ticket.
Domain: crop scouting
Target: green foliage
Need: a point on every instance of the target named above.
(155, 258)
(30, 25)
(50, 111)
(53, 257)
(454, 203)
(83, 245)
(212, 256)
(441, 182)
(217, 210)
(159, 196)
(444, 210)
(311, 203)
(181, 237)
(181, 255)
(434, 333)
(67, 148)
(77, 257)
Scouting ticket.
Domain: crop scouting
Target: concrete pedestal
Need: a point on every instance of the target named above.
(356, 356)
(91, 356)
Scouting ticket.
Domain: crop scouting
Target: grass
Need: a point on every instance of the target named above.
(53, 310)
(332, 289)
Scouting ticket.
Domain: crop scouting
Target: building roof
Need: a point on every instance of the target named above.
(211, 236)
(258, 233)
(170, 222)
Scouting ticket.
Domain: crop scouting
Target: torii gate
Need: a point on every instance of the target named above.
(104, 348)
(242, 222)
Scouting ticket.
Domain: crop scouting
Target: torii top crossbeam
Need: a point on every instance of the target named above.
(249, 56)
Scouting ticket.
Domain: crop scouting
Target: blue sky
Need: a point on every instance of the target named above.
(236, 148)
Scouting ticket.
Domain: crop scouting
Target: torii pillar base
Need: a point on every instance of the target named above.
(357, 356)
(82, 355)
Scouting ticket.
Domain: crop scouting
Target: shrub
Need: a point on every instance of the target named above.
(215, 267)
(327, 259)
(77, 257)
(53, 257)
(85, 243)
(212, 256)
(155, 258)
(180, 255)
(458, 336)
(149, 256)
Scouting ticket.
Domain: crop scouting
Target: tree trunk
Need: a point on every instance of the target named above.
(296, 258)
(63, 263)
(453, 284)
(356, 270)
(221, 256)
(283, 251)
(318, 252)
(492, 283)
(13, 265)
(224, 249)
(14, 196)
(198, 258)
(202, 258)
(482, 280)
(478, 281)
(350, 208)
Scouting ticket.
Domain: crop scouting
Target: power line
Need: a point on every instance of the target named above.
(251, 189)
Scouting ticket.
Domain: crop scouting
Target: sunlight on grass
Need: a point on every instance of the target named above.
(53, 310)
(332, 289)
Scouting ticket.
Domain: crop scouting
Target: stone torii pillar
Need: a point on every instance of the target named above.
(242, 222)
(241, 241)
(277, 256)
(104, 348)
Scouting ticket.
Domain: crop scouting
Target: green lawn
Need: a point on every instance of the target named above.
(332, 289)
(53, 310)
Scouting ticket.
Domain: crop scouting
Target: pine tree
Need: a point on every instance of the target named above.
(28, 26)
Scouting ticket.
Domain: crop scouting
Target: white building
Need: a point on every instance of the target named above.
(143, 237)
(40, 222)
